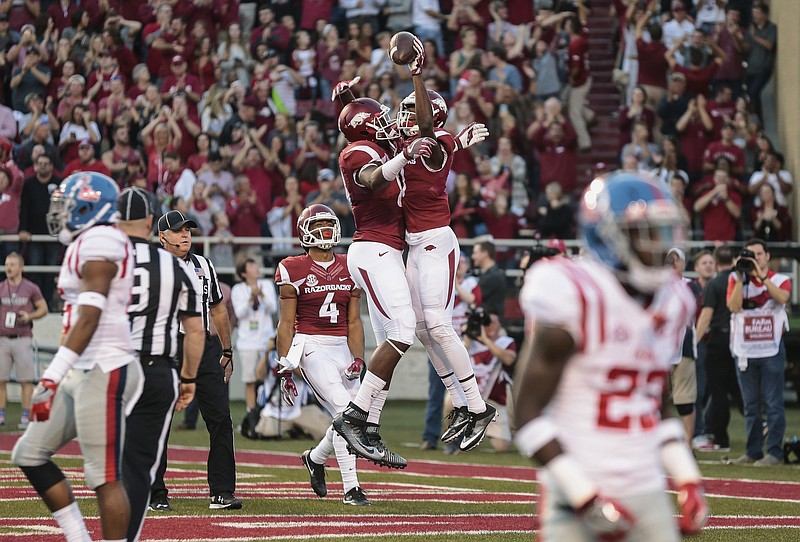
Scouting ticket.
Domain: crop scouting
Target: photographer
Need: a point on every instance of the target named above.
(493, 355)
(756, 298)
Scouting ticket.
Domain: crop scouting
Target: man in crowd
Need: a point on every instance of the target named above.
(21, 303)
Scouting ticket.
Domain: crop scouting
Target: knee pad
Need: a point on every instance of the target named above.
(43, 477)
(685, 410)
(401, 328)
(442, 333)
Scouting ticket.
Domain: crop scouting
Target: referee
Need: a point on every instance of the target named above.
(216, 367)
(164, 294)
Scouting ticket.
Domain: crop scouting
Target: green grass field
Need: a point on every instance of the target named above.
(261, 486)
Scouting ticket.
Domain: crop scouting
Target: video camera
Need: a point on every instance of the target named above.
(537, 252)
(745, 265)
(476, 319)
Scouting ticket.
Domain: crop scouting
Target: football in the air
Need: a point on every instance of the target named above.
(401, 48)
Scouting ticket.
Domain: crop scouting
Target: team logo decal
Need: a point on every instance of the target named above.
(430, 247)
(311, 280)
(359, 119)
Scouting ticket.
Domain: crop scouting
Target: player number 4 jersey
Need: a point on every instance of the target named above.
(609, 398)
(322, 294)
(111, 344)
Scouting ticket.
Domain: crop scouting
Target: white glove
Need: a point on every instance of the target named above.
(471, 135)
(343, 86)
(419, 147)
(419, 61)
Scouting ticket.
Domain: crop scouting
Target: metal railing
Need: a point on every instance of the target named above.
(789, 252)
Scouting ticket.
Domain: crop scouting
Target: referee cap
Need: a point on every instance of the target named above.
(175, 220)
(134, 204)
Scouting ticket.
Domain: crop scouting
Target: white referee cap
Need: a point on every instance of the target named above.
(134, 204)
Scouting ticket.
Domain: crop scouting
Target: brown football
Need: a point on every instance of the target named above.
(401, 48)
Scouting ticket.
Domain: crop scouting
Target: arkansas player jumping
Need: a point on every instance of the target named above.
(320, 329)
(433, 255)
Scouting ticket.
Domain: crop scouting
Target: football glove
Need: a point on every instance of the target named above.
(419, 61)
(419, 147)
(355, 369)
(693, 508)
(343, 86)
(42, 400)
(471, 135)
(288, 388)
(606, 518)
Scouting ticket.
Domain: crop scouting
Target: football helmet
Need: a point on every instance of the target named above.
(407, 117)
(312, 235)
(365, 119)
(630, 222)
(81, 201)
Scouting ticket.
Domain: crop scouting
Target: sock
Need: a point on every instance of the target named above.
(440, 365)
(376, 407)
(71, 522)
(324, 449)
(347, 463)
(457, 357)
(371, 386)
(115, 540)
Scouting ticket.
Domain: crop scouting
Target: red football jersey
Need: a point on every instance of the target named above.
(322, 294)
(425, 203)
(376, 212)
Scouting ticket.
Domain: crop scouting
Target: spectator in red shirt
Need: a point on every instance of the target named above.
(727, 148)
(637, 111)
(153, 37)
(556, 142)
(86, 161)
(245, 211)
(99, 84)
(653, 66)
(730, 39)
(62, 12)
(720, 208)
(698, 77)
(580, 82)
(179, 80)
(312, 155)
(695, 128)
(722, 108)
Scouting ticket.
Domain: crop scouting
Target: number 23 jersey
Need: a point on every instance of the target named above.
(322, 293)
(608, 400)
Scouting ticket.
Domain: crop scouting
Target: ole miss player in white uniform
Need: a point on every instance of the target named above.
(94, 380)
(433, 256)
(589, 402)
(320, 328)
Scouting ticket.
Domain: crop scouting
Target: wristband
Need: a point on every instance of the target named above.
(670, 429)
(391, 168)
(578, 488)
(62, 362)
(532, 436)
(185, 380)
(92, 299)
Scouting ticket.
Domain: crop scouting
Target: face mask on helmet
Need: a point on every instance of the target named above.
(407, 117)
(630, 223)
(81, 201)
(319, 227)
(364, 119)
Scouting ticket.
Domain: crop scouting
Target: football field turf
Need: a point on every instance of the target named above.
(480, 495)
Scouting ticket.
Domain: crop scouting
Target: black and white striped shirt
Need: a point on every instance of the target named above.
(162, 290)
(209, 285)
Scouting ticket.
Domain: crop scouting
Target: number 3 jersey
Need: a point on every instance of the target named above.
(323, 293)
(608, 400)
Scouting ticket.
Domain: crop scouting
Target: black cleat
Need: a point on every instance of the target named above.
(476, 429)
(225, 501)
(160, 503)
(317, 473)
(356, 497)
(459, 419)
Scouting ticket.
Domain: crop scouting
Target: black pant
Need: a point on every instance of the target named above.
(722, 387)
(212, 397)
(146, 426)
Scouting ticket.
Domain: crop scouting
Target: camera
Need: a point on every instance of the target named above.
(539, 252)
(744, 265)
(476, 319)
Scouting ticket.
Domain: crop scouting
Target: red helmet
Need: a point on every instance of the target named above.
(406, 116)
(324, 237)
(365, 119)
